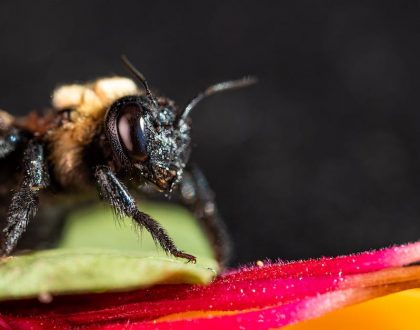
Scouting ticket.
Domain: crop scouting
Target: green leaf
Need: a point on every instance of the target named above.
(99, 253)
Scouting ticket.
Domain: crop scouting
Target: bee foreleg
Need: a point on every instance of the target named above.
(118, 196)
(196, 194)
(24, 202)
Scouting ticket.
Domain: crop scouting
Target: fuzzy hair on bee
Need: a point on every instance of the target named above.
(109, 135)
(86, 106)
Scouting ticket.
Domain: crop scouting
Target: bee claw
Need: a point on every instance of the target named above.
(190, 258)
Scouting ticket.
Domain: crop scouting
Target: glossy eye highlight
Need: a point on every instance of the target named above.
(131, 132)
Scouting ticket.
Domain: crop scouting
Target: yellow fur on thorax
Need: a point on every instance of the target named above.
(88, 104)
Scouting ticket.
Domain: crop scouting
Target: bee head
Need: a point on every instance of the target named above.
(149, 138)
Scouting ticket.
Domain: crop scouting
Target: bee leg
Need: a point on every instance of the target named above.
(118, 196)
(195, 193)
(25, 200)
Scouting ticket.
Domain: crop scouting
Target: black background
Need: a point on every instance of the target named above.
(320, 158)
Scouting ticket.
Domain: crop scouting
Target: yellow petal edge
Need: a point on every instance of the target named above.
(395, 311)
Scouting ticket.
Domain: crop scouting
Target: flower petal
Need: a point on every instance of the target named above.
(395, 311)
(269, 296)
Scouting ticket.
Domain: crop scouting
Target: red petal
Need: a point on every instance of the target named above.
(260, 297)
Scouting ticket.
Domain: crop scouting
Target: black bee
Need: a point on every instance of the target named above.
(108, 131)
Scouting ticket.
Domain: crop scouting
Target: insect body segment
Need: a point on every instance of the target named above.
(146, 141)
(108, 133)
(86, 106)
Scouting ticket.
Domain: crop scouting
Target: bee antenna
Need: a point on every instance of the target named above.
(136, 73)
(213, 89)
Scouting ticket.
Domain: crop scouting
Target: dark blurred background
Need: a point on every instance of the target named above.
(320, 158)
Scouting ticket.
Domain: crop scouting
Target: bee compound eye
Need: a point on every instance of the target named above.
(131, 132)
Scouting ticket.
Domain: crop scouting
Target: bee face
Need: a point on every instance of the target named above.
(148, 139)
